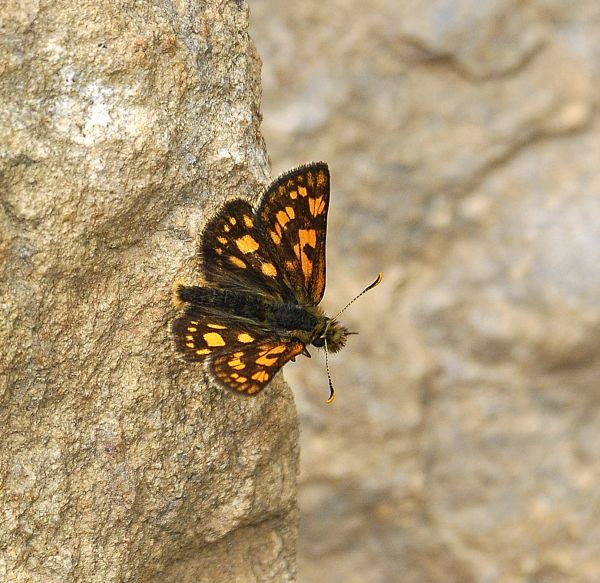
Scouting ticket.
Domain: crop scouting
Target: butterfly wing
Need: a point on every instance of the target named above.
(236, 255)
(241, 357)
(248, 369)
(293, 214)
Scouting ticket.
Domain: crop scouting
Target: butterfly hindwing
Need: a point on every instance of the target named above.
(240, 357)
(248, 369)
(235, 254)
(293, 213)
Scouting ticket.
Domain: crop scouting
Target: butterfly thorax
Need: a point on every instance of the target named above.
(308, 324)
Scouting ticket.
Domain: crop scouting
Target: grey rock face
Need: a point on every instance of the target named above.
(123, 128)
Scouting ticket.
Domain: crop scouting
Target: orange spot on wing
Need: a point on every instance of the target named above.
(270, 357)
(316, 206)
(265, 361)
(261, 376)
(321, 179)
(247, 244)
(282, 218)
(306, 237)
(237, 364)
(277, 350)
(213, 339)
(268, 269)
(237, 262)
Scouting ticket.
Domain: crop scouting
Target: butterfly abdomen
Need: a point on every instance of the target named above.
(244, 305)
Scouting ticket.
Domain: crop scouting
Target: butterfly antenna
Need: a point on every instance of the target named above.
(331, 389)
(364, 291)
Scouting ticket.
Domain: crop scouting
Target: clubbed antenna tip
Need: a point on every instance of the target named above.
(364, 291)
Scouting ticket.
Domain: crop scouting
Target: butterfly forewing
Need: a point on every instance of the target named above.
(236, 255)
(293, 213)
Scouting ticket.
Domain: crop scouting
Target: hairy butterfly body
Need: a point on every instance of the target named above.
(265, 275)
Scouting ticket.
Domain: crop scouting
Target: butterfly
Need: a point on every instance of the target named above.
(264, 270)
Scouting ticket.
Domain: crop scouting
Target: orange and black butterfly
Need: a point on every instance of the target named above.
(265, 275)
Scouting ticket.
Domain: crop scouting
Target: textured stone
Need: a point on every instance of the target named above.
(123, 128)
(463, 144)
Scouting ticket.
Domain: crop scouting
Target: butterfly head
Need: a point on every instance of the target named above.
(332, 336)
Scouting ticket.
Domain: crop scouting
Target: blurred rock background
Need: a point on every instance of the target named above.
(463, 140)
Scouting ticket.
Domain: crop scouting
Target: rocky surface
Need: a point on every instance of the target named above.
(123, 126)
(464, 141)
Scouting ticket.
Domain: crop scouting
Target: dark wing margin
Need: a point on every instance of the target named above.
(235, 254)
(293, 216)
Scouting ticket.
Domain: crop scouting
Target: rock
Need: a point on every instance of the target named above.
(123, 130)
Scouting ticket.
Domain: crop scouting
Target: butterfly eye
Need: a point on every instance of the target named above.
(319, 342)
